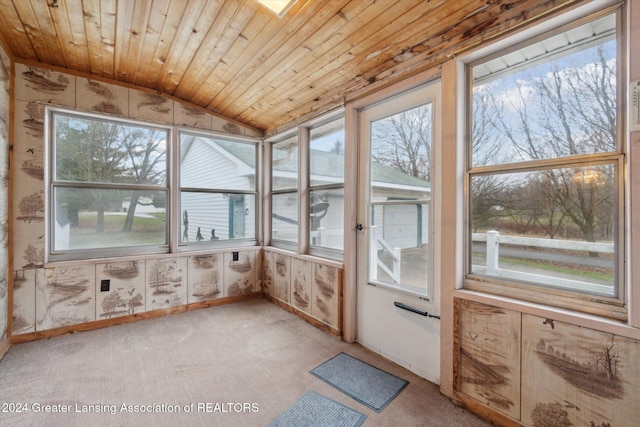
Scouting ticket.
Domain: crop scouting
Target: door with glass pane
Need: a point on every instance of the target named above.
(398, 302)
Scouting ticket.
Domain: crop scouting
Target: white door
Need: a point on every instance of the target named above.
(398, 298)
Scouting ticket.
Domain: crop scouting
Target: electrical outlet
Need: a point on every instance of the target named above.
(104, 285)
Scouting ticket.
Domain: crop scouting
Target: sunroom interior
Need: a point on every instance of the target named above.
(451, 185)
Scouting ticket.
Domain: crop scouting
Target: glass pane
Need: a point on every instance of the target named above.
(284, 216)
(401, 154)
(555, 98)
(552, 227)
(399, 245)
(207, 162)
(217, 216)
(89, 218)
(400, 176)
(284, 165)
(100, 151)
(327, 153)
(326, 218)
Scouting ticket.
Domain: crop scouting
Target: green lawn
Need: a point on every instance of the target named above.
(145, 231)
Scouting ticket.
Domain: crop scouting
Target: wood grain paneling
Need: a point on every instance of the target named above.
(488, 365)
(238, 60)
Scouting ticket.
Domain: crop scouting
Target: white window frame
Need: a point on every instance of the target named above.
(270, 191)
(613, 307)
(303, 190)
(186, 246)
(319, 250)
(172, 188)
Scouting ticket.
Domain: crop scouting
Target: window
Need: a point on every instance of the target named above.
(111, 192)
(400, 178)
(108, 187)
(326, 189)
(217, 189)
(307, 187)
(545, 160)
(284, 192)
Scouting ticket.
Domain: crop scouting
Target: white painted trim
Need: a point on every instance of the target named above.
(377, 320)
(265, 148)
(174, 192)
(451, 222)
(349, 284)
(534, 30)
(303, 190)
(632, 174)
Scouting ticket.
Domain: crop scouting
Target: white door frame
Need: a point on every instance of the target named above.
(350, 326)
(352, 108)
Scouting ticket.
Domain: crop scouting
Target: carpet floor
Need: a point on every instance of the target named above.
(242, 364)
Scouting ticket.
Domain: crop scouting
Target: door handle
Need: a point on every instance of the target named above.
(414, 310)
(359, 227)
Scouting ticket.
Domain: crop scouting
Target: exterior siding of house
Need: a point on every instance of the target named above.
(206, 166)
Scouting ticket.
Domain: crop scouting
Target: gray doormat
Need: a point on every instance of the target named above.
(363, 382)
(316, 410)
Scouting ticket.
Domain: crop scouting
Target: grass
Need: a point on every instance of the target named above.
(146, 230)
(604, 275)
(583, 271)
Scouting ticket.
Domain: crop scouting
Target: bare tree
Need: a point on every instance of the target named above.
(145, 158)
(568, 111)
(403, 142)
(92, 152)
(103, 152)
(607, 361)
(491, 198)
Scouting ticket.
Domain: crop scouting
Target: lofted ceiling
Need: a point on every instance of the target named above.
(239, 60)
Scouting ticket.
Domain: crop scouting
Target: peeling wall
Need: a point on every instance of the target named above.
(48, 298)
(5, 95)
(541, 372)
(308, 287)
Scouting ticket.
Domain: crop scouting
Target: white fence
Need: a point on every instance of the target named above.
(374, 260)
(493, 240)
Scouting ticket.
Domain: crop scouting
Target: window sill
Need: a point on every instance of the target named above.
(305, 257)
(587, 320)
(165, 255)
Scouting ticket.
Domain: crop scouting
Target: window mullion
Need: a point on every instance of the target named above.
(303, 190)
(173, 231)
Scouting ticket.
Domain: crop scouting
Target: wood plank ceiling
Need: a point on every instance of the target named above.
(239, 60)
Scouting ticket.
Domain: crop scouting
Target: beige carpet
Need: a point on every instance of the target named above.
(236, 365)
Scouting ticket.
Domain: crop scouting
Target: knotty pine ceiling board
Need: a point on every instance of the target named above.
(240, 61)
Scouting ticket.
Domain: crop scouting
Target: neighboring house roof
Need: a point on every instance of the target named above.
(323, 163)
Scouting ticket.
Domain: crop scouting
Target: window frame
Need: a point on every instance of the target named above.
(227, 242)
(612, 307)
(52, 183)
(302, 131)
(319, 250)
(271, 142)
(171, 187)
